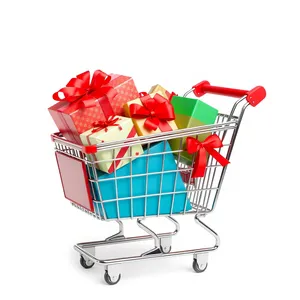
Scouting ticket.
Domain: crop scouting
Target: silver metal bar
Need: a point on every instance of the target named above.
(177, 227)
(209, 230)
(233, 138)
(188, 92)
(148, 230)
(176, 175)
(161, 179)
(202, 181)
(150, 138)
(208, 176)
(141, 175)
(156, 195)
(138, 257)
(116, 184)
(89, 171)
(161, 241)
(118, 235)
(191, 212)
(152, 234)
(131, 188)
(158, 137)
(82, 246)
(98, 190)
(146, 185)
(236, 104)
(86, 211)
(189, 186)
(126, 239)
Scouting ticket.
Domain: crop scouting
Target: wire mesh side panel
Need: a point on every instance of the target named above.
(159, 181)
(202, 191)
(149, 185)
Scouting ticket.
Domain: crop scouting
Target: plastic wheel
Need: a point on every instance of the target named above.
(196, 267)
(166, 250)
(85, 264)
(108, 279)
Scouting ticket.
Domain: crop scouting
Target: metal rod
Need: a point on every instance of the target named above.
(149, 231)
(119, 234)
(81, 247)
(154, 195)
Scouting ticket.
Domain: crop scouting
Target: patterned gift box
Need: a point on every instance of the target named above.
(151, 114)
(86, 102)
(116, 128)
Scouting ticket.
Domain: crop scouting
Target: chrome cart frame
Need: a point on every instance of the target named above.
(202, 193)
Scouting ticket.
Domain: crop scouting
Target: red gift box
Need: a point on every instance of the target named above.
(86, 102)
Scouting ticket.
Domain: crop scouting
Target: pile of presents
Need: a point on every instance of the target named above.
(107, 108)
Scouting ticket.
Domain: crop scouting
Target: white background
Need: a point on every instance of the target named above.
(175, 43)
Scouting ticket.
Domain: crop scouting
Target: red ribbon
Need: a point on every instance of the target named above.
(99, 125)
(122, 152)
(157, 111)
(170, 95)
(195, 146)
(80, 92)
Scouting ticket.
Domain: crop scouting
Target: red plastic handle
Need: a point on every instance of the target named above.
(254, 96)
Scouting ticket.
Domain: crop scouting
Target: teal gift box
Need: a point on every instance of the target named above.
(160, 166)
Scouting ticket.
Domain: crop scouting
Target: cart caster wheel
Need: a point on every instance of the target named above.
(166, 250)
(109, 280)
(86, 264)
(197, 268)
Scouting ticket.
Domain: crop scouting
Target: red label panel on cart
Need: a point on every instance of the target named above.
(74, 180)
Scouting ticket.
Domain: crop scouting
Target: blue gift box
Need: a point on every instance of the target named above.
(113, 186)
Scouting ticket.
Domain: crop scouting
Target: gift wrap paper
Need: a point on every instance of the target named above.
(145, 204)
(122, 131)
(191, 113)
(139, 123)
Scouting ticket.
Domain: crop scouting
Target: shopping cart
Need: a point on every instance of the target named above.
(78, 167)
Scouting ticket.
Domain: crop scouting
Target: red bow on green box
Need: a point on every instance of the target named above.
(200, 148)
(170, 95)
(157, 111)
(80, 92)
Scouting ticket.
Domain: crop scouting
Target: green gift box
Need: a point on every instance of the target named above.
(191, 113)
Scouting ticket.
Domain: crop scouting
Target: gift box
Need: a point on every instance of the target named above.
(86, 102)
(151, 114)
(115, 128)
(143, 180)
(191, 113)
(161, 90)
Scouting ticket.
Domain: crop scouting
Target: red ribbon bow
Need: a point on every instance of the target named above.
(170, 95)
(80, 92)
(195, 146)
(156, 110)
(99, 125)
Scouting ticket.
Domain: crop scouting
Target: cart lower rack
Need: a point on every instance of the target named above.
(164, 170)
